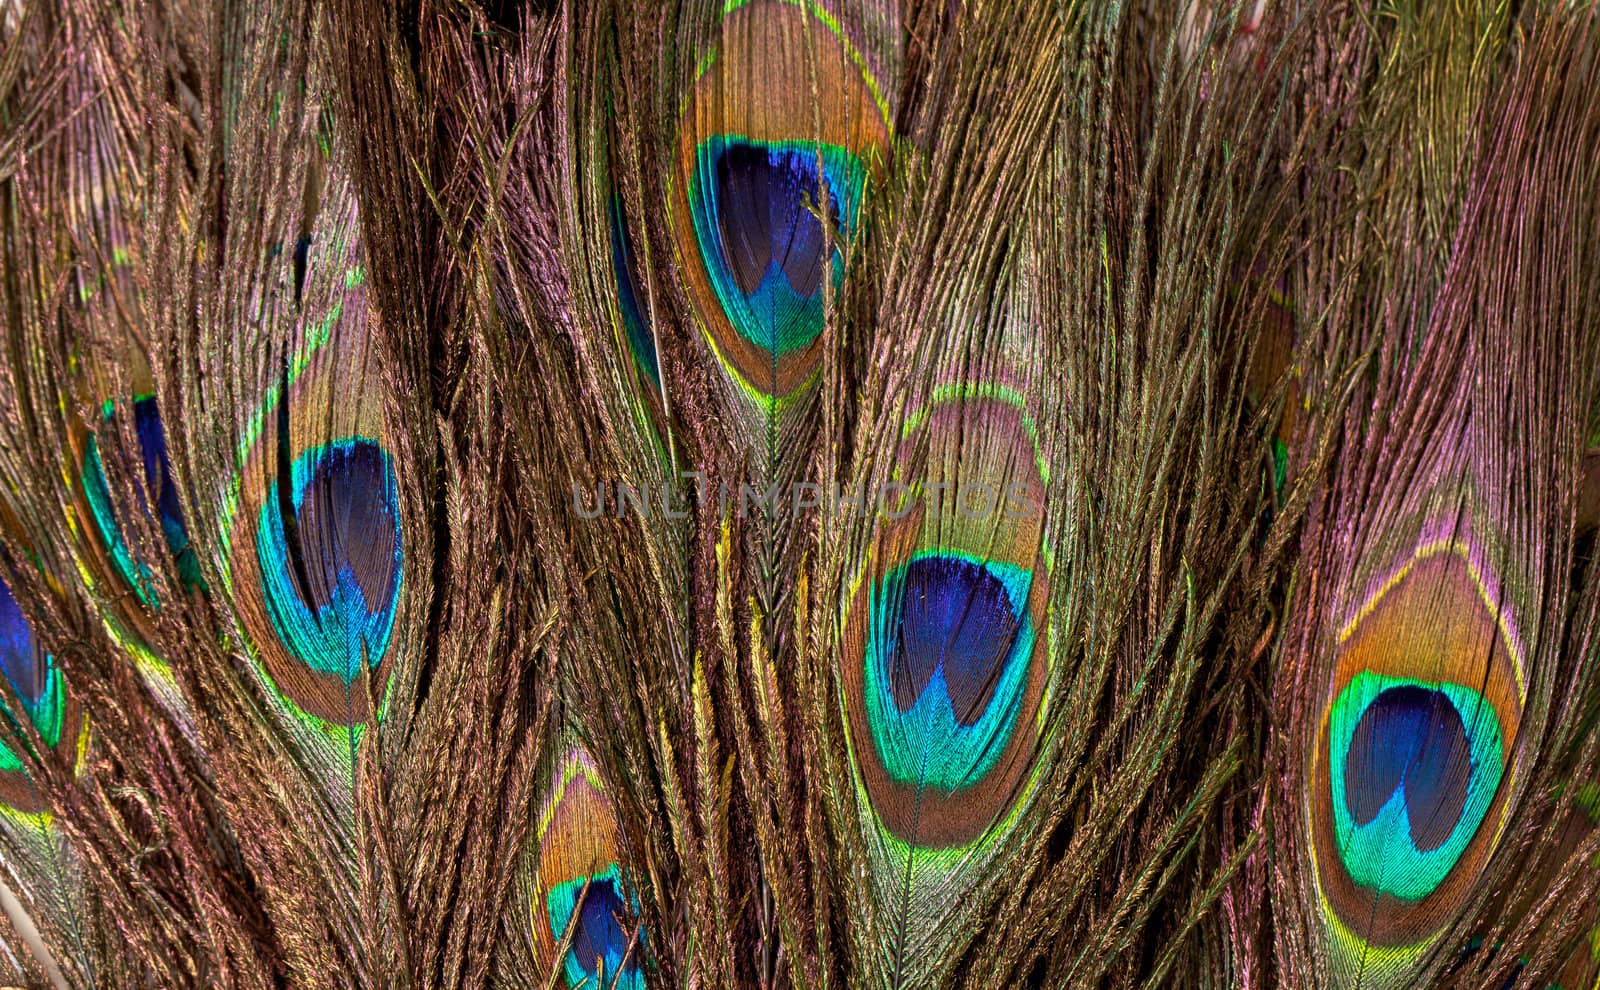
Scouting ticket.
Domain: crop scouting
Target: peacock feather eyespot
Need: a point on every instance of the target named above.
(756, 209)
(313, 527)
(158, 487)
(593, 907)
(329, 552)
(1410, 783)
(948, 651)
(582, 887)
(769, 185)
(948, 630)
(41, 699)
(1414, 756)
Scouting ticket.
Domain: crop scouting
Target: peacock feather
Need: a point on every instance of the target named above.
(766, 198)
(943, 630)
(632, 301)
(950, 627)
(1427, 617)
(124, 509)
(45, 724)
(315, 540)
(108, 556)
(583, 903)
(799, 494)
(945, 662)
(1414, 761)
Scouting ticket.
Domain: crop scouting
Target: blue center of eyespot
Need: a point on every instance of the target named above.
(159, 487)
(1410, 740)
(31, 674)
(332, 574)
(158, 475)
(599, 941)
(634, 323)
(946, 667)
(1414, 767)
(19, 658)
(756, 212)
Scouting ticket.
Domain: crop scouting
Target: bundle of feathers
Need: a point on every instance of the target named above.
(800, 494)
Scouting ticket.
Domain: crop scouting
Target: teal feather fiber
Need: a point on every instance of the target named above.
(799, 494)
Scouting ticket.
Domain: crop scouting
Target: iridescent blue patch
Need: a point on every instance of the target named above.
(946, 667)
(331, 573)
(634, 323)
(1414, 769)
(158, 486)
(31, 674)
(758, 214)
(599, 941)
